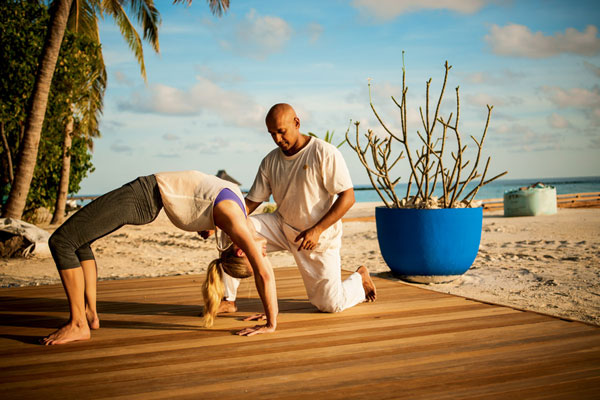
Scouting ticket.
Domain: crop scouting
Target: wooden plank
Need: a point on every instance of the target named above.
(411, 342)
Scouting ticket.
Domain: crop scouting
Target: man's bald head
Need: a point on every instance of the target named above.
(280, 111)
(284, 127)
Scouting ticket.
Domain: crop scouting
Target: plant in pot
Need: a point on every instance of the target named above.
(423, 237)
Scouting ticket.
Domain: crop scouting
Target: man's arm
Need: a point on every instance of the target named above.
(310, 237)
(252, 205)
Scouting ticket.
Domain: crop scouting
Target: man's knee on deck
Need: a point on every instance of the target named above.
(328, 305)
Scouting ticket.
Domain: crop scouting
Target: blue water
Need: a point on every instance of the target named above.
(493, 190)
(496, 189)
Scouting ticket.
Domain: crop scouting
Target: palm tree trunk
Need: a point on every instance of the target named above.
(63, 185)
(36, 111)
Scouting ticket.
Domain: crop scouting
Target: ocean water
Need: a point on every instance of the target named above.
(496, 189)
(493, 190)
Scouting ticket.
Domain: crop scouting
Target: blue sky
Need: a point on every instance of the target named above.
(203, 107)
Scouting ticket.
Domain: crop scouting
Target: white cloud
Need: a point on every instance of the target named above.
(258, 36)
(593, 68)
(218, 76)
(119, 147)
(518, 40)
(233, 107)
(111, 125)
(479, 77)
(500, 78)
(574, 97)
(483, 99)
(558, 121)
(522, 137)
(122, 78)
(588, 101)
(314, 31)
(169, 137)
(213, 145)
(390, 9)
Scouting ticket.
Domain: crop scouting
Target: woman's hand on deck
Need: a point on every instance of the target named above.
(256, 317)
(256, 330)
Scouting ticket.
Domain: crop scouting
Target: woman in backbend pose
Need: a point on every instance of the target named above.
(194, 202)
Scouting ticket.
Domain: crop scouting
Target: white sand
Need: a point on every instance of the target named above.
(548, 264)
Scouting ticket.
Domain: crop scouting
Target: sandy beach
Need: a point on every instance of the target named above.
(547, 264)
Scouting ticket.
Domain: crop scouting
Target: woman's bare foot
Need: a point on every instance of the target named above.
(227, 306)
(92, 319)
(368, 285)
(71, 332)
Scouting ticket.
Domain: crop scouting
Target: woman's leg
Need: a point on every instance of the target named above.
(135, 203)
(90, 273)
(77, 328)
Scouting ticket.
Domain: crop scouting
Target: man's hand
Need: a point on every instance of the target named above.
(310, 238)
(256, 330)
(206, 234)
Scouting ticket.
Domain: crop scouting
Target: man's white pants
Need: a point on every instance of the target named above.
(320, 270)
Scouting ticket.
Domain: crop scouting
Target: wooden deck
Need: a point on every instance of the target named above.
(411, 343)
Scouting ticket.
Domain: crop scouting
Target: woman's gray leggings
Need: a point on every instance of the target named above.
(135, 203)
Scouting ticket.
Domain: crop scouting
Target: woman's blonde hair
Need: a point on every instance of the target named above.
(212, 289)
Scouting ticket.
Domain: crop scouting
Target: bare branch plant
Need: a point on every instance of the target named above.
(427, 164)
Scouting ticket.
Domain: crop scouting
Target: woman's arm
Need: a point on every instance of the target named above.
(229, 217)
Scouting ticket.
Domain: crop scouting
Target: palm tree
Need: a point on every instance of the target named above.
(149, 18)
(86, 97)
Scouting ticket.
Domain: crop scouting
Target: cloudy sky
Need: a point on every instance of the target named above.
(203, 107)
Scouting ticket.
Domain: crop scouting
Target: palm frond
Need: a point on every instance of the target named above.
(115, 10)
(83, 18)
(217, 7)
(149, 18)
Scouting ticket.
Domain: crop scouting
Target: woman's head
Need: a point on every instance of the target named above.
(235, 263)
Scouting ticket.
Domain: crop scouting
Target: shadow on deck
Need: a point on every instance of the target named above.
(411, 343)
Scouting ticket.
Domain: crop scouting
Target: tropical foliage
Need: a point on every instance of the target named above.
(328, 138)
(28, 83)
(73, 13)
(22, 30)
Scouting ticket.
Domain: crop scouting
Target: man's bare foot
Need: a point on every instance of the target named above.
(227, 306)
(368, 285)
(92, 319)
(71, 332)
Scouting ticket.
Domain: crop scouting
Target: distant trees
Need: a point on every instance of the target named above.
(31, 38)
(22, 30)
(86, 12)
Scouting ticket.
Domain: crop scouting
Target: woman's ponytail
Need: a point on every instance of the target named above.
(212, 291)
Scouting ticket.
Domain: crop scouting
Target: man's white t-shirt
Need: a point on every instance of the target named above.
(303, 185)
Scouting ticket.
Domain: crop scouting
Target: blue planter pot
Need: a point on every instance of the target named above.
(428, 246)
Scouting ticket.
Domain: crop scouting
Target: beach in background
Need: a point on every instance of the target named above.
(547, 264)
(496, 189)
(493, 190)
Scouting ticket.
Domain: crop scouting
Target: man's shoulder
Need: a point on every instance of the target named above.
(323, 147)
(272, 155)
(270, 159)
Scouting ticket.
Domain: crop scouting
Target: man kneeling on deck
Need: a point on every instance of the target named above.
(304, 175)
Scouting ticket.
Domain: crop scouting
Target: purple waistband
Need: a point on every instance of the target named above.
(228, 194)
